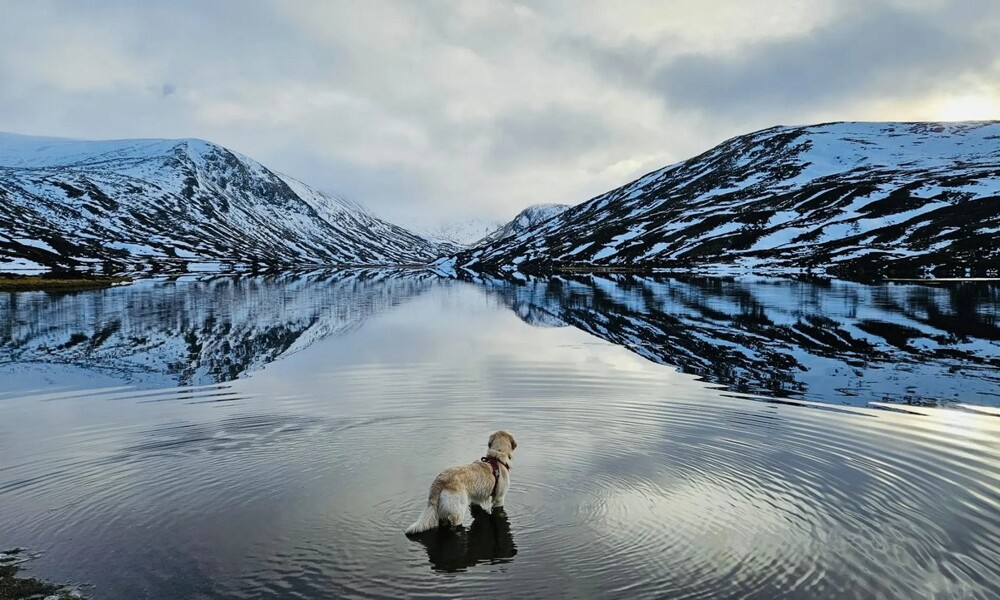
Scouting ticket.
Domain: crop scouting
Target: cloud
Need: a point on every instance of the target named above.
(437, 109)
(554, 134)
(883, 51)
(880, 52)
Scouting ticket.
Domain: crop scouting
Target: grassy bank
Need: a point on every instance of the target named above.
(21, 283)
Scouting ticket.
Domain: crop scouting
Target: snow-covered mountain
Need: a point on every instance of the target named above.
(168, 204)
(477, 232)
(462, 234)
(528, 218)
(844, 198)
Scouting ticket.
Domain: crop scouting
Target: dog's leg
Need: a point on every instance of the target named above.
(486, 504)
(454, 508)
(501, 493)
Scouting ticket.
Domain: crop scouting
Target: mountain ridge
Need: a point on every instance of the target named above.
(840, 198)
(166, 205)
(524, 220)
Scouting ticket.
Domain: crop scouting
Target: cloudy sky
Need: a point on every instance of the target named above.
(425, 110)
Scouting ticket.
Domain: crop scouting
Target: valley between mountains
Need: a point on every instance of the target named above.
(852, 200)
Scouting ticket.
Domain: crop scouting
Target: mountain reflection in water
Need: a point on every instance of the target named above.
(826, 341)
(195, 331)
(830, 341)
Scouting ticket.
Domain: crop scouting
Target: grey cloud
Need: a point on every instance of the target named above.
(881, 51)
(629, 63)
(553, 134)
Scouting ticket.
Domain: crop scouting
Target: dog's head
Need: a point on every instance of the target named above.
(502, 441)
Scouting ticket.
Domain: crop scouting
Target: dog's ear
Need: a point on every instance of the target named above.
(513, 442)
(489, 444)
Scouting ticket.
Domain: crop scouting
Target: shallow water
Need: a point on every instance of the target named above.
(271, 437)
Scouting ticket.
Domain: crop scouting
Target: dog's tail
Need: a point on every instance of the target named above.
(429, 518)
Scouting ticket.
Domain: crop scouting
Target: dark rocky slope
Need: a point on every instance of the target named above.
(847, 199)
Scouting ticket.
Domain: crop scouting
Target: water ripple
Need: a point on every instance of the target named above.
(630, 480)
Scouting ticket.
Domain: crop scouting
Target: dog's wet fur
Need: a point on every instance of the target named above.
(455, 489)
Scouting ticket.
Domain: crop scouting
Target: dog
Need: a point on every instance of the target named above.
(483, 483)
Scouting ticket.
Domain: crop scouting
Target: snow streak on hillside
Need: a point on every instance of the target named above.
(848, 198)
(172, 204)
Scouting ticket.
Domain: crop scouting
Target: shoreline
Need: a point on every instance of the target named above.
(35, 283)
(16, 587)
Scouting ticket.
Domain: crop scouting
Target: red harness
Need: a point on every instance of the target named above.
(495, 463)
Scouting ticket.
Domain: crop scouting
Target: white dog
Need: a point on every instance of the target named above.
(484, 483)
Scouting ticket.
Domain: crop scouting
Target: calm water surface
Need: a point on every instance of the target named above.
(271, 437)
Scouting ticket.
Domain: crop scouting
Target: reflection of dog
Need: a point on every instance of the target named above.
(483, 483)
(488, 539)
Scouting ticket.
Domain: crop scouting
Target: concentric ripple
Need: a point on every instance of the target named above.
(630, 479)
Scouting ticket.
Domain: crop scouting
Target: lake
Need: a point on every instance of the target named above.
(272, 436)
